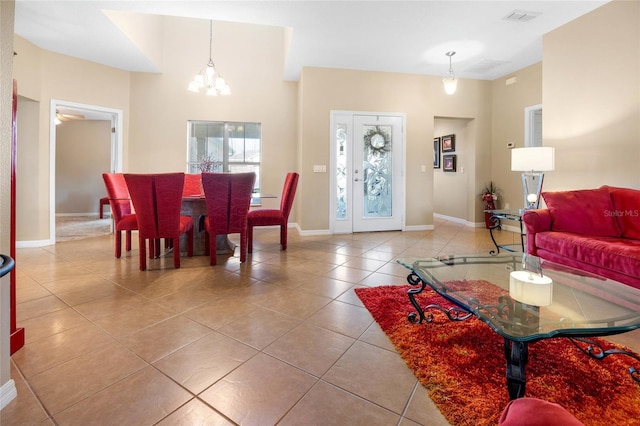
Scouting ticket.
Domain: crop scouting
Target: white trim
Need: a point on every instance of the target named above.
(529, 127)
(8, 393)
(419, 228)
(450, 218)
(116, 150)
(34, 243)
(333, 121)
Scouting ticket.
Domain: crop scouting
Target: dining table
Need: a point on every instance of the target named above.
(194, 205)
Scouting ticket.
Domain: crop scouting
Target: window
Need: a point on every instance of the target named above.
(217, 146)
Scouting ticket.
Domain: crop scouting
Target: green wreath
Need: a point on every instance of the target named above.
(377, 140)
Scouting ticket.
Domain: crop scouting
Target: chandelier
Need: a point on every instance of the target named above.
(209, 78)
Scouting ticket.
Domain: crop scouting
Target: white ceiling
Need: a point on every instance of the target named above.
(394, 36)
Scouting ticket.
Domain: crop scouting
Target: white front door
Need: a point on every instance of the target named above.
(367, 170)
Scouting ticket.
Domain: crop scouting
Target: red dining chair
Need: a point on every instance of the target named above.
(123, 218)
(228, 197)
(157, 199)
(271, 217)
(192, 185)
(104, 201)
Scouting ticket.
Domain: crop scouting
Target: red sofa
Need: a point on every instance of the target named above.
(595, 230)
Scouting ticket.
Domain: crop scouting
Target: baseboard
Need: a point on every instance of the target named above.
(419, 228)
(7, 393)
(451, 218)
(33, 243)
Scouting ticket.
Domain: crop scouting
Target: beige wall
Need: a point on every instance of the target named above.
(421, 98)
(591, 97)
(83, 153)
(509, 102)
(43, 76)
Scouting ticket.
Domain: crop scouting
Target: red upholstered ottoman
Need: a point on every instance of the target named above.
(536, 412)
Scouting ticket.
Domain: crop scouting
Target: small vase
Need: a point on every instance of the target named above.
(488, 205)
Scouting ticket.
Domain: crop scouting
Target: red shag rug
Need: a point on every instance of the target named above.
(462, 364)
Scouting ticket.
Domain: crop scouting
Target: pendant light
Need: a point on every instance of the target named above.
(210, 79)
(450, 81)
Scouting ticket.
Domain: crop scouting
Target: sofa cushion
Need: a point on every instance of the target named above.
(585, 212)
(608, 253)
(536, 412)
(626, 203)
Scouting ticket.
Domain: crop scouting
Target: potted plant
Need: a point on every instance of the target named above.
(489, 196)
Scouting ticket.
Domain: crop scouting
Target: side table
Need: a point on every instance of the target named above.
(497, 216)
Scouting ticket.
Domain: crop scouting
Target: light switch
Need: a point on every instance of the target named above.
(319, 168)
(424, 168)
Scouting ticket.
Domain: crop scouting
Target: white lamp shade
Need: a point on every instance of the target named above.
(539, 159)
(450, 85)
(530, 288)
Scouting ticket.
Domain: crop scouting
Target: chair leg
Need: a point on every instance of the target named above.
(176, 254)
(128, 241)
(213, 249)
(143, 253)
(189, 243)
(243, 247)
(283, 235)
(250, 238)
(118, 248)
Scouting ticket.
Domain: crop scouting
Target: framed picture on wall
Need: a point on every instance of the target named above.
(448, 143)
(449, 163)
(436, 153)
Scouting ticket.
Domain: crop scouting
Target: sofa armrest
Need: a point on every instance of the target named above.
(537, 220)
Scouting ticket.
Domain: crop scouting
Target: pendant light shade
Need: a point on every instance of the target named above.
(450, 81)
(209, 79)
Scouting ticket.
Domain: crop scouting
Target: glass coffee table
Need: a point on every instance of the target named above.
(526, 299)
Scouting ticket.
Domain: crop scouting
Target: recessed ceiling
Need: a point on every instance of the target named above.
(393, 36)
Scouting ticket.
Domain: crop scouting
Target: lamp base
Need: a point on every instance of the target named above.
(532, 185)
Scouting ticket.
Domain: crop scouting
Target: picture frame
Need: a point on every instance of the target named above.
(436, 153)
(449, 163)
(448, 143)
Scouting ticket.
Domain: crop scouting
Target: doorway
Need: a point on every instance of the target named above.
(367, 172)
(72, 110)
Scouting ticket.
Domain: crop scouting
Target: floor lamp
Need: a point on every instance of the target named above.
(532, 162)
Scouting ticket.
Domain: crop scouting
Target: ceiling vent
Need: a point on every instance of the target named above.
(521, 16)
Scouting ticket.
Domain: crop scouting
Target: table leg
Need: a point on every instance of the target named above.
(496, 225)
(517, 355)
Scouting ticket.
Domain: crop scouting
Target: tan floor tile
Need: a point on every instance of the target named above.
(323, 286)
(203, 362)
(328, 405)
(422, 410)
(343, 318)
(24, 409)
(45, 353)
(220, 312)
(195, 412)
(343, 273)
(375, 336)
(66, 384)
(259, 327)
(310, 348)
(124, 323)
(143, 398)
(50, 324)
(294, 303)
(120, 301)
(163, 338)
(37, 307)
(89, 292)
(30, 292)
(259, 392)
(371, 372)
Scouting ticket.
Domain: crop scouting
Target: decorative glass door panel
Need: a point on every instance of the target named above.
(377, 189)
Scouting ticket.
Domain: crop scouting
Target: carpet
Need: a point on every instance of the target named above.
(462, 365)
(79, 227)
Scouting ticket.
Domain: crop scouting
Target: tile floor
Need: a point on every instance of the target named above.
(281, 339)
